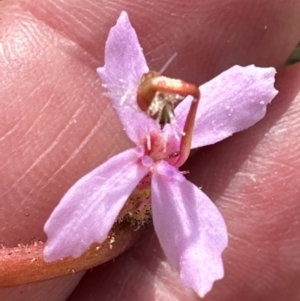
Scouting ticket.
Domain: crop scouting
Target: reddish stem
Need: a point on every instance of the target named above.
(186, 140)
(25, 264)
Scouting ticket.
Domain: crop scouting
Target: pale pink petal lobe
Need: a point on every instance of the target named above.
(190, 228)
(231, 102)
(124, 67)
(88, 210)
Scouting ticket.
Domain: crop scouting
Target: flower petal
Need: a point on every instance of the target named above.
(231, 102)
(190, 228)
(88, 210)
(124, 66)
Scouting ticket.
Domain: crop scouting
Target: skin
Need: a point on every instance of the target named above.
(56, 125)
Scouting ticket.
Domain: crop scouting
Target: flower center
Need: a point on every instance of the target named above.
(161, 148)
(156, 96)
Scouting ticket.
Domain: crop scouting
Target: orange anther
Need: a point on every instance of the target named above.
(158, 94)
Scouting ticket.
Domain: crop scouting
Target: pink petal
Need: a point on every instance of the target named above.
(124, 66)
(190, 228)
(88, 210)
(231, 102)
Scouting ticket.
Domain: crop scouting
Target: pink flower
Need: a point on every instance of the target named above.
(189, 226)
